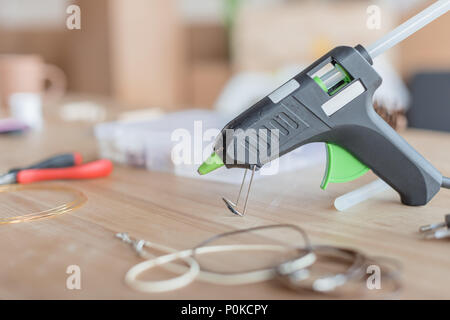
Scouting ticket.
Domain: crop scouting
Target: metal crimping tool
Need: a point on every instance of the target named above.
(437, 230)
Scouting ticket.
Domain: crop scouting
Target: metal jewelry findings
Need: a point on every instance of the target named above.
(437, 230)
(192, 270)
(301, 279)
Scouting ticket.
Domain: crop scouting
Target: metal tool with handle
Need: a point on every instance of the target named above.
(91, 170)
(61, 167)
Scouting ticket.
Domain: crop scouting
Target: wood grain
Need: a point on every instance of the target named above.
(181, 212)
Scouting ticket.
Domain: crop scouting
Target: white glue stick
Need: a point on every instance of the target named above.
(359, 195)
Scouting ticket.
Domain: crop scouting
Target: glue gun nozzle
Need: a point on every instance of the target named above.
(212, 163)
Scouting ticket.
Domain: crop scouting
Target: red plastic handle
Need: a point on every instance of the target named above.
(77, 158)
(91, 170)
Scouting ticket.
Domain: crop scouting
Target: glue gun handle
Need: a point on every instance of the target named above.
(390, 157)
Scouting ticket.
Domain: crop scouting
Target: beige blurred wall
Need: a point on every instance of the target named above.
(143, 53)
(299, 32)
(131, 50)
(82, 54)
(28, 26)
(147, 53)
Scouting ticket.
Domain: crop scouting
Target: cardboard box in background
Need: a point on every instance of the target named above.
(147, 54)
(87, 51)
(267, 37)
(206, 82)
(207, 63)
(206, 41)
(153, 57)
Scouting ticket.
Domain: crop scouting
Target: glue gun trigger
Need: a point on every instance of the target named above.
(342, 166)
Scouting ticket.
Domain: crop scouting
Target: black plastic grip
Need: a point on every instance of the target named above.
(59, 161)
(361, 131)
(391, 158)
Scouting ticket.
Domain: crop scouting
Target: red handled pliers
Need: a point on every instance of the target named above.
(60, 167)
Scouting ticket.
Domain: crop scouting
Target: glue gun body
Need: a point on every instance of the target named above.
(337, 110)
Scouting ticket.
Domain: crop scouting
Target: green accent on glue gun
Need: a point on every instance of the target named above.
(347, 79)
(320, 83)
(341, 166)
(212, 163)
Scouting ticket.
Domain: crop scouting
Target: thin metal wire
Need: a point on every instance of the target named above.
(192, 271)
(79, 200)
(248, 191)
(240, 189)
(233, 206)
(305, 250)
(296, 273)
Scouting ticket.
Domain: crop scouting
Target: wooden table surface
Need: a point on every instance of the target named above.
(181, 212)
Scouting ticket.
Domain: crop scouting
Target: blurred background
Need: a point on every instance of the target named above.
(161, 56)
(180, 53)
